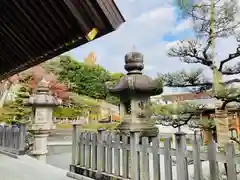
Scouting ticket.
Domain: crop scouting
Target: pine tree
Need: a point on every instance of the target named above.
(17, 112)
(200, 51)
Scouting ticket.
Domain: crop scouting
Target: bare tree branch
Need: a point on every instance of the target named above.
(191, 79)
(225, 25)
(166, 121)
(189, 52)
(184, 79)
(229, 82)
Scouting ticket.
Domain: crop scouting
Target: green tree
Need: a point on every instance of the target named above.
(178, 115)
(85, 106)
(67, 112)
(15, 111)
(115, 77)
(84, 79)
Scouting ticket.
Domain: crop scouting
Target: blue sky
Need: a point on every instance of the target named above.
(151, 25)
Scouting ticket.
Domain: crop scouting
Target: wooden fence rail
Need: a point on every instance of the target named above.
(13, 139)
(107, 155)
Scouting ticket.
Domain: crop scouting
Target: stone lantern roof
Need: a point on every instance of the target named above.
(42, 97)
(135, 82)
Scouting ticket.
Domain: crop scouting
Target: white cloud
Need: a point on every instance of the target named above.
(185, 25)
(134, 8)
(146, 23)
(144, 28)
(156, 14)
(148, 68)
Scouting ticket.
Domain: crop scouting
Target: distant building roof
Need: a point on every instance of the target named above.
(186, 96)
(196, 98)
(211, 103)
(182, 96)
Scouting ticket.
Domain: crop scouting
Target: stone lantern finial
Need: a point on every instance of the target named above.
(135, 90)
(43, 87)
(134, 63)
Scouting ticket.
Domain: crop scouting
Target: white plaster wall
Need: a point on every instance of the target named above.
(169, 129)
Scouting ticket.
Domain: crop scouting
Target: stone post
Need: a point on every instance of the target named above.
(42, 104)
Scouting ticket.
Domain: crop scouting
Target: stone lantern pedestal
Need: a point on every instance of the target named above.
(42, 104)
(134, 90)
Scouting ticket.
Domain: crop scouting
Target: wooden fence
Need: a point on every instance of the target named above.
(107, 155)
(13, 139)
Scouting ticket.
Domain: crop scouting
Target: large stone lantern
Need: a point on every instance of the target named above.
(134, 90)
(42, 104)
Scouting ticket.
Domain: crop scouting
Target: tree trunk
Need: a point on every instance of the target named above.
(222, 127)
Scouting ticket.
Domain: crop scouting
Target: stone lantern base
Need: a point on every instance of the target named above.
(144, 129)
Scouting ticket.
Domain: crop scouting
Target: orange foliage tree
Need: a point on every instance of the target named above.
(33, 76)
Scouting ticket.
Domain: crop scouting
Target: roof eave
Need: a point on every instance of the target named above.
(107, 13)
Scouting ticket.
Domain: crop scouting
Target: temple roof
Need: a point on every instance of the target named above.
(32, 32)
(135, 81)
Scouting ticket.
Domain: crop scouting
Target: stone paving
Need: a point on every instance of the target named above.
(27, 168)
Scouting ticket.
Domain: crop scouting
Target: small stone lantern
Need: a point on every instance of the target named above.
(42, 104)
(135, 90)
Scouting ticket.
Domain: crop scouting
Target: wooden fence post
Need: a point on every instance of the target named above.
(212, 157)
(4, 137)
(15, 135)
(134, 141)
(125, 157)
(82, 149)
(88, 151)
(156, 158)
(181, 160)
(94, 151)
(196, 159)
(100, 154)
(109, 154)
(1, 136)
(116, 155)
(145, 159)
(10, 138)
(231, 167)
(167, 159)
(22, 137)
